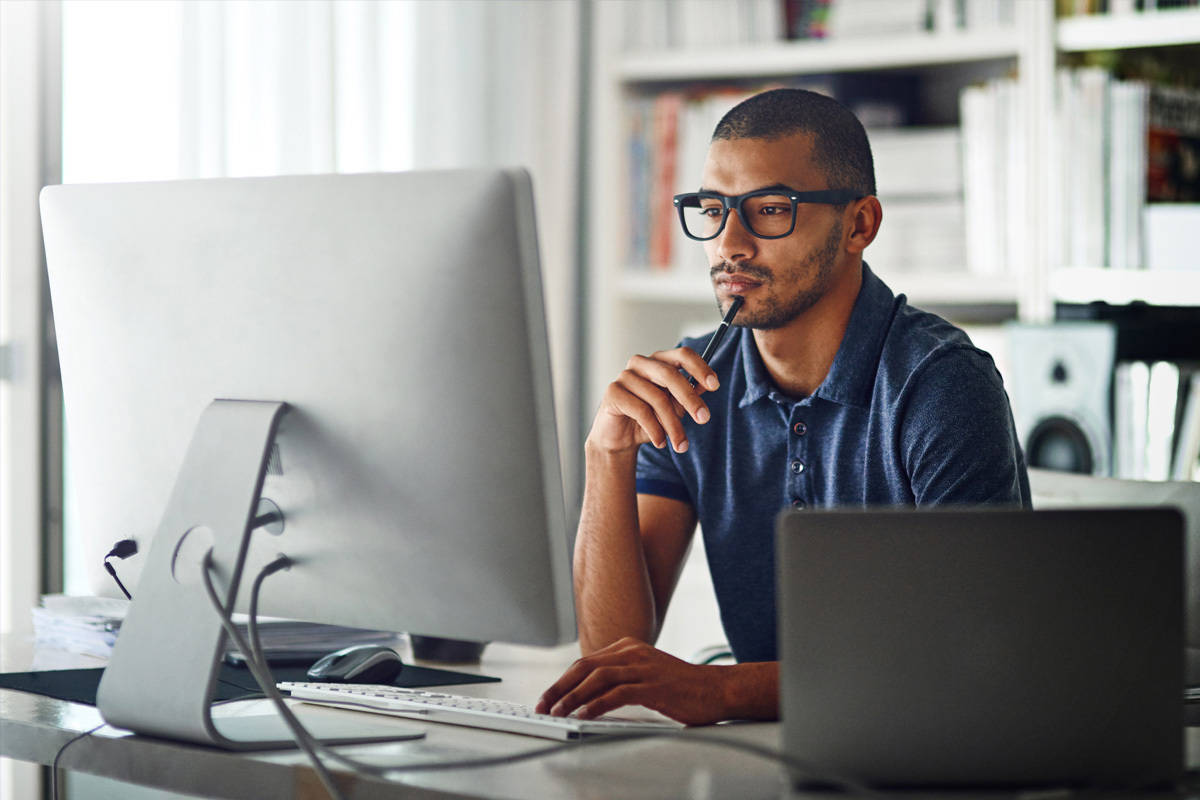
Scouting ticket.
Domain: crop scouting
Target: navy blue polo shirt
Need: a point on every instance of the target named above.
(910, 414)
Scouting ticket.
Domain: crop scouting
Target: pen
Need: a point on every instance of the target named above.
(719, 333)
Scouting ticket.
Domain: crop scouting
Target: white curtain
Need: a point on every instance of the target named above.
(275, 87)
(30, 69)
(270, 87)
(229, 88)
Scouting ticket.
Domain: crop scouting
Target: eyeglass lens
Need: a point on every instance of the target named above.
(764, 215)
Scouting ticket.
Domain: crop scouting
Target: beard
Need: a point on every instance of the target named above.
(777, 310)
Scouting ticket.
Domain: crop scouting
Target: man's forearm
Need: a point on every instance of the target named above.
(613, 596)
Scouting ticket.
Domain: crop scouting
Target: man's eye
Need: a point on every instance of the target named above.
(771, 211)
(713, 211)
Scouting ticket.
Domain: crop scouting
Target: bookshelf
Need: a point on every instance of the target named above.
(1169, 28)
(797, 58)
(634, 309)
(1166, 28)
(1120, 287)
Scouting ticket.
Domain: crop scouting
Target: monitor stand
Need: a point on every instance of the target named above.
(164, 666)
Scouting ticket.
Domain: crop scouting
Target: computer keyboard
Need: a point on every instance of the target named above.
(474, 712)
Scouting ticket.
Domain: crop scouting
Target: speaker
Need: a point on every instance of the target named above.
(1061, 392)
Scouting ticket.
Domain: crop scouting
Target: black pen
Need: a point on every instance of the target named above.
(719, 333)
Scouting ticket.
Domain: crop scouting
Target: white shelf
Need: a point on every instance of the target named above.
(922, 288)
(1121, 287)
(846, 55)
(1120, 31)
(665, 287)
(953, 288)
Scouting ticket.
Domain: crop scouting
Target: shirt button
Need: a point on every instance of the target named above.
(797, 466)
(797, 504)
(799, 429)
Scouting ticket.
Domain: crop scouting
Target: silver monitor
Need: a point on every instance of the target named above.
(368, 353)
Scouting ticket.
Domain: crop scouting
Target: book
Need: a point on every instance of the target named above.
(667, 108)
(1097, 163)
(1162, 393)
(1173, 142)
(638, 154)
(1186, 461)
(1131, 419)
(1127, 166)
(1168, 233)
(984, 222)
(864, 18)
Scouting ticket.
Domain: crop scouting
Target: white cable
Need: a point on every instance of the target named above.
(253, 651)
(262, 674)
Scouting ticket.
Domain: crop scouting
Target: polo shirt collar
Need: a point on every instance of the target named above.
(851, 377)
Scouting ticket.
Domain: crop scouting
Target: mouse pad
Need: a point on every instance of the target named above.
(80, 685)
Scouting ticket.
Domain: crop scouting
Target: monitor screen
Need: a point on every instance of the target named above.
(400, 319)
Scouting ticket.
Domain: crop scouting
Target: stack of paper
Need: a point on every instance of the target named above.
(90, 625)
(85, 625)
(652, 25)
(918, 176)
(861, 18)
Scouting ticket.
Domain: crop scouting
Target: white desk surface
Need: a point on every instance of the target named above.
(33, 728)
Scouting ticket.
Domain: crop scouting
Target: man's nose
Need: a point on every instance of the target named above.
(735, 243)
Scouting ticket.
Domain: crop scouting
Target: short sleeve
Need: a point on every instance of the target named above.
(658, 475)
(958, 438)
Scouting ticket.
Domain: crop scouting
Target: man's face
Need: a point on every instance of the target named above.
(780, 279)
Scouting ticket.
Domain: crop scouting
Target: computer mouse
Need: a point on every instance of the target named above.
(364, 663)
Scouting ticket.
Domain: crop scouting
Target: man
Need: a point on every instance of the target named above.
(830, 392)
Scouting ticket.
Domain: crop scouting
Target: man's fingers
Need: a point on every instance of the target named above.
(561, 687)
(614, 698)
(600, 682)
(575, 674)
(689, 360)
(631, 672)
(623, 404)
(665, 373)
(613, 655)
(652, 408)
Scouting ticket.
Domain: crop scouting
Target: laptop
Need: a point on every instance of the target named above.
(973, 648)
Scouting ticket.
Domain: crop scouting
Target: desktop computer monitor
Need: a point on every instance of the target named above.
(367, 354)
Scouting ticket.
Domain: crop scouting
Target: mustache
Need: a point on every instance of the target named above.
(752, 271)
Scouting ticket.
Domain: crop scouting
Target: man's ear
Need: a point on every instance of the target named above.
(865, 216)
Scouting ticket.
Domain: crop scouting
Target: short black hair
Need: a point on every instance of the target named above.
(840, 145)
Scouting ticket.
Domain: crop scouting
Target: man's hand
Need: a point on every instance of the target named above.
(648, 400)
(631, 672)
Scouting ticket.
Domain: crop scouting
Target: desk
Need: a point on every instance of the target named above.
(33, 728)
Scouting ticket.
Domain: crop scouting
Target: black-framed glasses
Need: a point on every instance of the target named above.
(766, 213)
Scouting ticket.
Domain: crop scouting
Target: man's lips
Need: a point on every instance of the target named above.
(737, 284)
